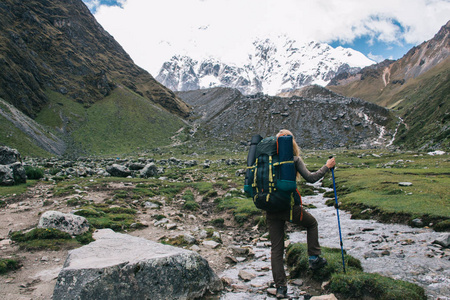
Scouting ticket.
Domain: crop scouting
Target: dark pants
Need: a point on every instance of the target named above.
(276, 222)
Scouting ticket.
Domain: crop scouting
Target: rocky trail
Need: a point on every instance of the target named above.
(243, 258)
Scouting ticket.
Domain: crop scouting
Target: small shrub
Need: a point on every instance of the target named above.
(76, 201)
(85, 238)
(178, 241)
(218, 222)
(119, 210)
(361, 285)
(87, 213)
(39, 234)
(188, 196)
(159, 217)
(2, 203)
(33, 172)
(191, 205)
(43, 238)
(210, 194)
(441, 226)
(47, 203)
(7, 265)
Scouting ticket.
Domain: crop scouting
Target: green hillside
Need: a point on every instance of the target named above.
(122, 122)
(424, 105)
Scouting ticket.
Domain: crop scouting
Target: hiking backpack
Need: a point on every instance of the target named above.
(271, 176)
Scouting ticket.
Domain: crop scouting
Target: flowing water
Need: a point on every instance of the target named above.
(393, 250)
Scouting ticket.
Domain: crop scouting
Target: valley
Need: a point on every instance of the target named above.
(203, 191)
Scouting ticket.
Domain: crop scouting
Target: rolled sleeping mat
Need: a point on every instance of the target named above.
(287, 168)
(251, 158)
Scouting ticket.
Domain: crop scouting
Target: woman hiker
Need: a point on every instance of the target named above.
(276, 222)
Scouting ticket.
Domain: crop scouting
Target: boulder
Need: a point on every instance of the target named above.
(120, 266)
(6, 175)
(19, 173)
(149, 170)
(73, 224)
(118, 170)
(8, 156)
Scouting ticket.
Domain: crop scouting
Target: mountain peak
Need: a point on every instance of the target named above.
(274, 65)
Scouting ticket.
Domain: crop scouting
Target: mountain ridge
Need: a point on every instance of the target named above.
(273, 66)
(416, 86)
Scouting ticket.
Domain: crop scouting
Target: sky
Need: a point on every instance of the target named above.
(152, 31)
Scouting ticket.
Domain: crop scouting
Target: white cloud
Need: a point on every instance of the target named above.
(377, 58)
(152, 31)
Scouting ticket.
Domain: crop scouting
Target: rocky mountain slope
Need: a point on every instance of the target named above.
(322, 120)
(58, 45)
(273, 66)
(53, 50)
(417, 86)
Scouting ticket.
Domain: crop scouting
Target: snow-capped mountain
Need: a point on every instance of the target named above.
(272, 66)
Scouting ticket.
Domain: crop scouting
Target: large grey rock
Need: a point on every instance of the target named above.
(6, 175)
(118, 170)
(73, 224)
(120, 266)
(149, 170)
(19, 173)
(12, 174)
(8, 155)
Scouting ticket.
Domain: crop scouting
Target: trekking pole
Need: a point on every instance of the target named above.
(337, 212)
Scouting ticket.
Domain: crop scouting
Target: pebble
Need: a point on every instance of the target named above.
(245, 275)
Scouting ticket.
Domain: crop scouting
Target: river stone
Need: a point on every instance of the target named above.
(73, 224)
(405, 184)
(245, 275)
(120, 266)
(324, 297)
(443, 240)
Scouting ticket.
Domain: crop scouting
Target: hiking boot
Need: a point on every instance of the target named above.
(317, 263)
(281, 292)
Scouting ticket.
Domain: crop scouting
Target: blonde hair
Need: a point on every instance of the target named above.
(296, 149)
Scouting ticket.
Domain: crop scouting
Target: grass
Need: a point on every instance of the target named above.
(136, 122)
(16, 189)
(241, 207)
(371, 180)
(49, 238)
(100, 215)
(354, 283)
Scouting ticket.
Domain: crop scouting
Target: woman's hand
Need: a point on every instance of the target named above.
(331, 163)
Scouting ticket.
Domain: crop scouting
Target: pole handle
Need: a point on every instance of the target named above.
(330, 157)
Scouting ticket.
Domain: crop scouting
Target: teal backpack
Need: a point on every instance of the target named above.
(271, 175)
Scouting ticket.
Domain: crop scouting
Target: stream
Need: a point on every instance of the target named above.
(396, 251)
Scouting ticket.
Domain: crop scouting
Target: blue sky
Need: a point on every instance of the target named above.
(151, 31)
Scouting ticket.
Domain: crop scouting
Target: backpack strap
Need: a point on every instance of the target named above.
(271, 183)
(254, 177)
(292, 205)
